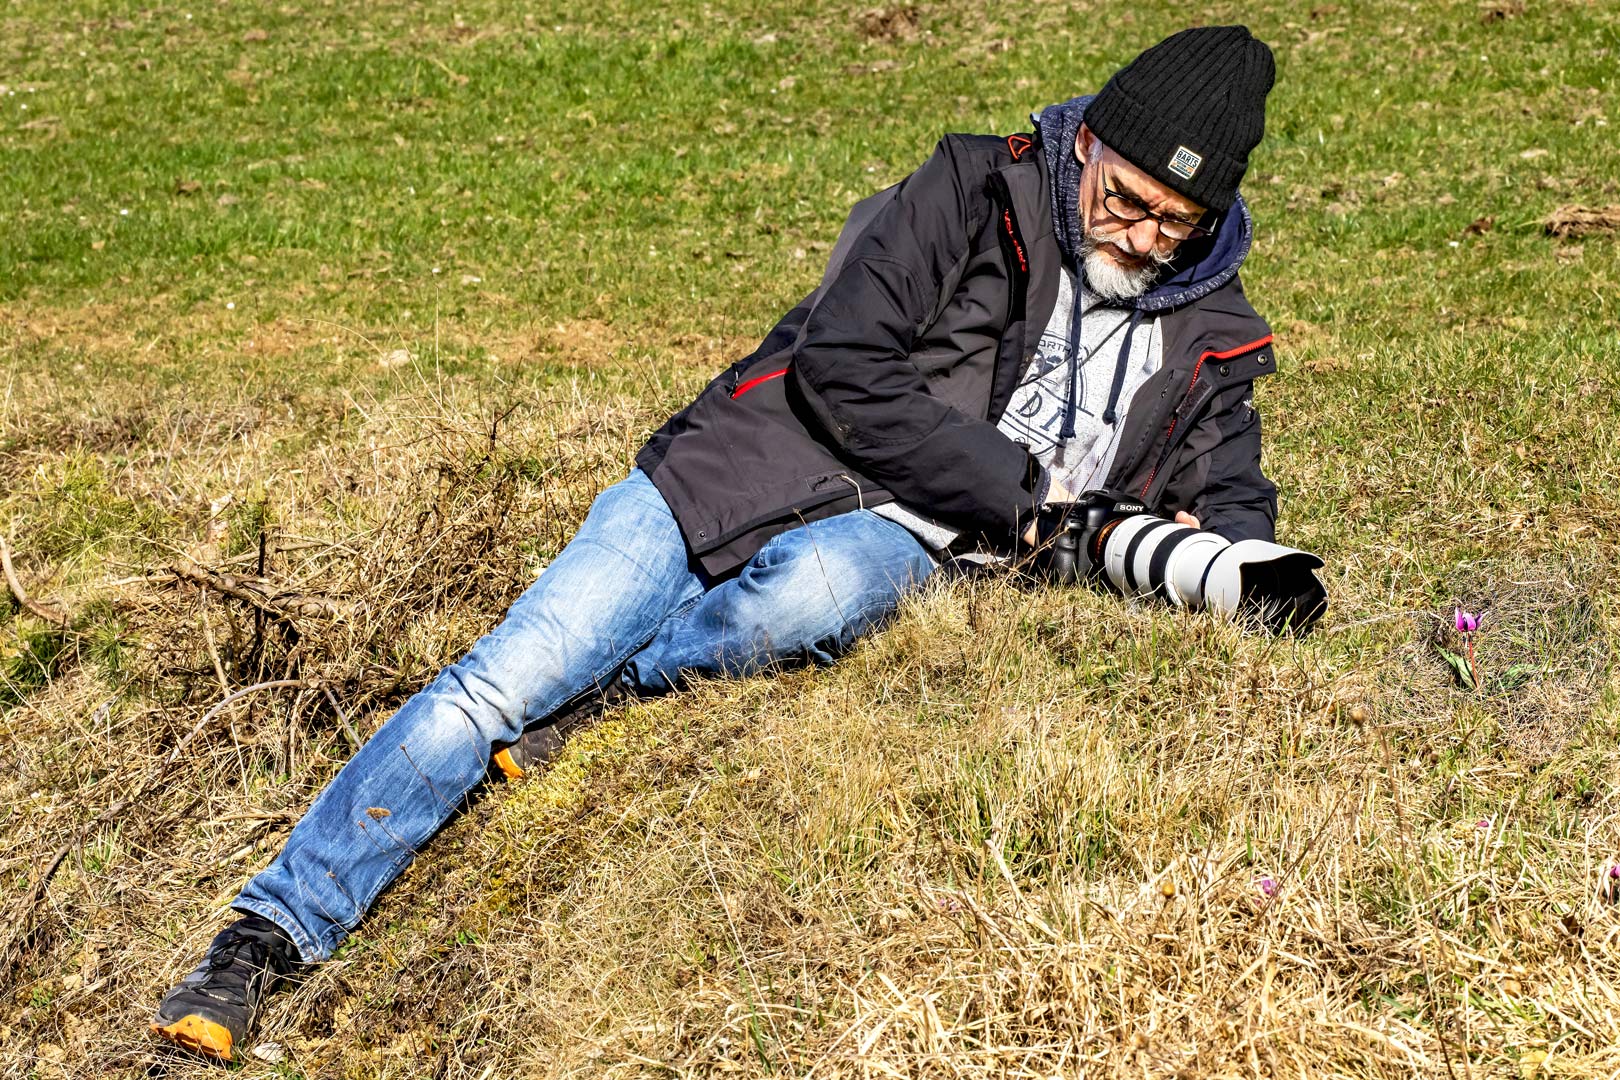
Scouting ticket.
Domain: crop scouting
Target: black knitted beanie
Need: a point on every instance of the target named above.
(1189, 110)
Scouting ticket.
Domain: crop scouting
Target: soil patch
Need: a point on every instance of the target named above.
(1571, 220)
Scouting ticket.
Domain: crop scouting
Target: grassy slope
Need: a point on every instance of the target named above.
(1017, 832)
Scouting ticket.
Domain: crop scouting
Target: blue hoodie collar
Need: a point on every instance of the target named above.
(1198, 269)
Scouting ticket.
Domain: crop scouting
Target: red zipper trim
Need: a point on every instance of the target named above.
(1197, 370)
(1018, 249)
(1239, 351)
(751, 383)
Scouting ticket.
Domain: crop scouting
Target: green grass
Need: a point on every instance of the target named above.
(359, 239)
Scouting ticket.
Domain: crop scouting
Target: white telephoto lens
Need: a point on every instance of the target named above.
(1144, 555)
(1229, 580)
(1184, 576)
(1120, 553)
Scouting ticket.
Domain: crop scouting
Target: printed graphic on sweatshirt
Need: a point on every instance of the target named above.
(1034, 416)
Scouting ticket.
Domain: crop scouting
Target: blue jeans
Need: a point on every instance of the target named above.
(624, 594)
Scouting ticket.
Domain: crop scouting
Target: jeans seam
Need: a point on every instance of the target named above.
(890, 606)
(399, 867)
(621, 659)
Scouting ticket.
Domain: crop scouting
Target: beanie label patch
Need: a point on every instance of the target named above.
(1185, 163)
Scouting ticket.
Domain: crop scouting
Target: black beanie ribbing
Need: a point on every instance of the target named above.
(1189, 110)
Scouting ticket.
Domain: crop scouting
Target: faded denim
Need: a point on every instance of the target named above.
(624, 595)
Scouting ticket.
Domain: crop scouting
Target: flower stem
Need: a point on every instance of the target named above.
(1472, 667)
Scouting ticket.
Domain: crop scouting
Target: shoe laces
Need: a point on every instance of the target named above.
(242, 965)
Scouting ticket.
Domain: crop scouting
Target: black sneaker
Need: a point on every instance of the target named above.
(541, 743)
(212, 1010)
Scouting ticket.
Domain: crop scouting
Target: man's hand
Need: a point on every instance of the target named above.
(1056, 494)
(1184, 518)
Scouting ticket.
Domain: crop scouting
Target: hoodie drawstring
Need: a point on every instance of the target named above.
(1071, 407)
(1109, 416)
(1066, 432)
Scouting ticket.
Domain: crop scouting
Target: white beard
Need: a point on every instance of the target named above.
(1111, 281)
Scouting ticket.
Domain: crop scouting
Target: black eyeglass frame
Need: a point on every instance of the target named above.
(1195, 231)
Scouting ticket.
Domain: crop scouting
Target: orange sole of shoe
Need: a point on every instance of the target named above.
(198, 1035)
(508, 767)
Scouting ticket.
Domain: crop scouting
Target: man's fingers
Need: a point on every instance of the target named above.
(1184, 518)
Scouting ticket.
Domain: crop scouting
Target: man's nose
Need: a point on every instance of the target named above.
(1143, 235)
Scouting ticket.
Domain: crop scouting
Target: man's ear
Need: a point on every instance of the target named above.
(1084, 140)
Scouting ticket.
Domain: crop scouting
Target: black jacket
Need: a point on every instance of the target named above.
(888, 380)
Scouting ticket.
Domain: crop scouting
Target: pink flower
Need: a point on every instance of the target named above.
(1268, 887)
(1467, 623)
(1483, 823)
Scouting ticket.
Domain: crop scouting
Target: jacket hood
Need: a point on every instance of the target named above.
(1198, 269)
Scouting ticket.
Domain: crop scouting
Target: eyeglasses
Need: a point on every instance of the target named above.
(1126, 208)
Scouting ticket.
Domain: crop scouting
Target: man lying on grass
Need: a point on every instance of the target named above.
(1022, 318)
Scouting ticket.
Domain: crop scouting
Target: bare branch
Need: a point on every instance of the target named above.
(256, 593)
(52, 617)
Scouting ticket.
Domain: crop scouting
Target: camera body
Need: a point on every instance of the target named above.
(1108, 536)
(1067, 549)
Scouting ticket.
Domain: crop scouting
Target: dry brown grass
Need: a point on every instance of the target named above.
(1020, 834)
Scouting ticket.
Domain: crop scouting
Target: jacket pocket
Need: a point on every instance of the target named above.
(745, 385)
(1197, 396)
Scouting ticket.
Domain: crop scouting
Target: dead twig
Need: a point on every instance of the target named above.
(255, 593)
(343, 719)
(52, 617)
